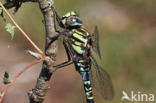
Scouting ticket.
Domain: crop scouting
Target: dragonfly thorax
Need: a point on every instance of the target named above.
(80, 41)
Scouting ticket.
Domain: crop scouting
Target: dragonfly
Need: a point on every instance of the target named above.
(79, 45)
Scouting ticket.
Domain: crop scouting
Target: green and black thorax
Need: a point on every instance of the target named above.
(80, 41)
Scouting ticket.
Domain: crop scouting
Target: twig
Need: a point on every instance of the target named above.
(24, 34)
(19, 74)
(34, 54)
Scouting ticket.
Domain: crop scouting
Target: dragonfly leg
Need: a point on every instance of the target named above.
(62, 65)
(69, 55)
(55, 37)
(57, 18)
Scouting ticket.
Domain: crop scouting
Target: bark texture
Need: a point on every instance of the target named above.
(37, 95)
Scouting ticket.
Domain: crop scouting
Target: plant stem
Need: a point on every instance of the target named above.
(19, 74)
(24, 34)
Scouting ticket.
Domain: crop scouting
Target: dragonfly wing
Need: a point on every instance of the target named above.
(95, 45)
(101, 81)
(91, 75)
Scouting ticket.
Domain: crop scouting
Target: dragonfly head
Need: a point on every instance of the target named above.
(71, 20)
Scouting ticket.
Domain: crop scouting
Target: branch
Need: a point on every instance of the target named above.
(34, 54)
(37, 95)
(38, 56)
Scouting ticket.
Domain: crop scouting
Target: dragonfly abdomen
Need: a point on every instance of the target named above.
(87, 87)
(83, 67)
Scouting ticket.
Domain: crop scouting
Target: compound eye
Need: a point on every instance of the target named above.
(73, 20)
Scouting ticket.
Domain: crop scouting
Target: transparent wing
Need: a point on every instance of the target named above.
(95, 44)
(101, 81)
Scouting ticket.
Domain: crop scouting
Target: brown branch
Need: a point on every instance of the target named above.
(38, 94)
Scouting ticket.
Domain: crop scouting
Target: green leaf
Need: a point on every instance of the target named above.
(6, 79)
(11, 29)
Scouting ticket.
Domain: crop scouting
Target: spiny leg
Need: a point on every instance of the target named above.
(66, 62)
(55, 37)
(57, 18)
(69, 55)
(62, 65)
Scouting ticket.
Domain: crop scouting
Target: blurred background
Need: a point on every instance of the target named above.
(127, 41)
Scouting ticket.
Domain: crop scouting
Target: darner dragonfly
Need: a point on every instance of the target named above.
(79, 45)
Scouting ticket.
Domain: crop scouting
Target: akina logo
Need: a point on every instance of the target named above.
(137, 97)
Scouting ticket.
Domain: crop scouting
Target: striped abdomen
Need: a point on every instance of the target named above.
(83, 67)
(87, 87)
